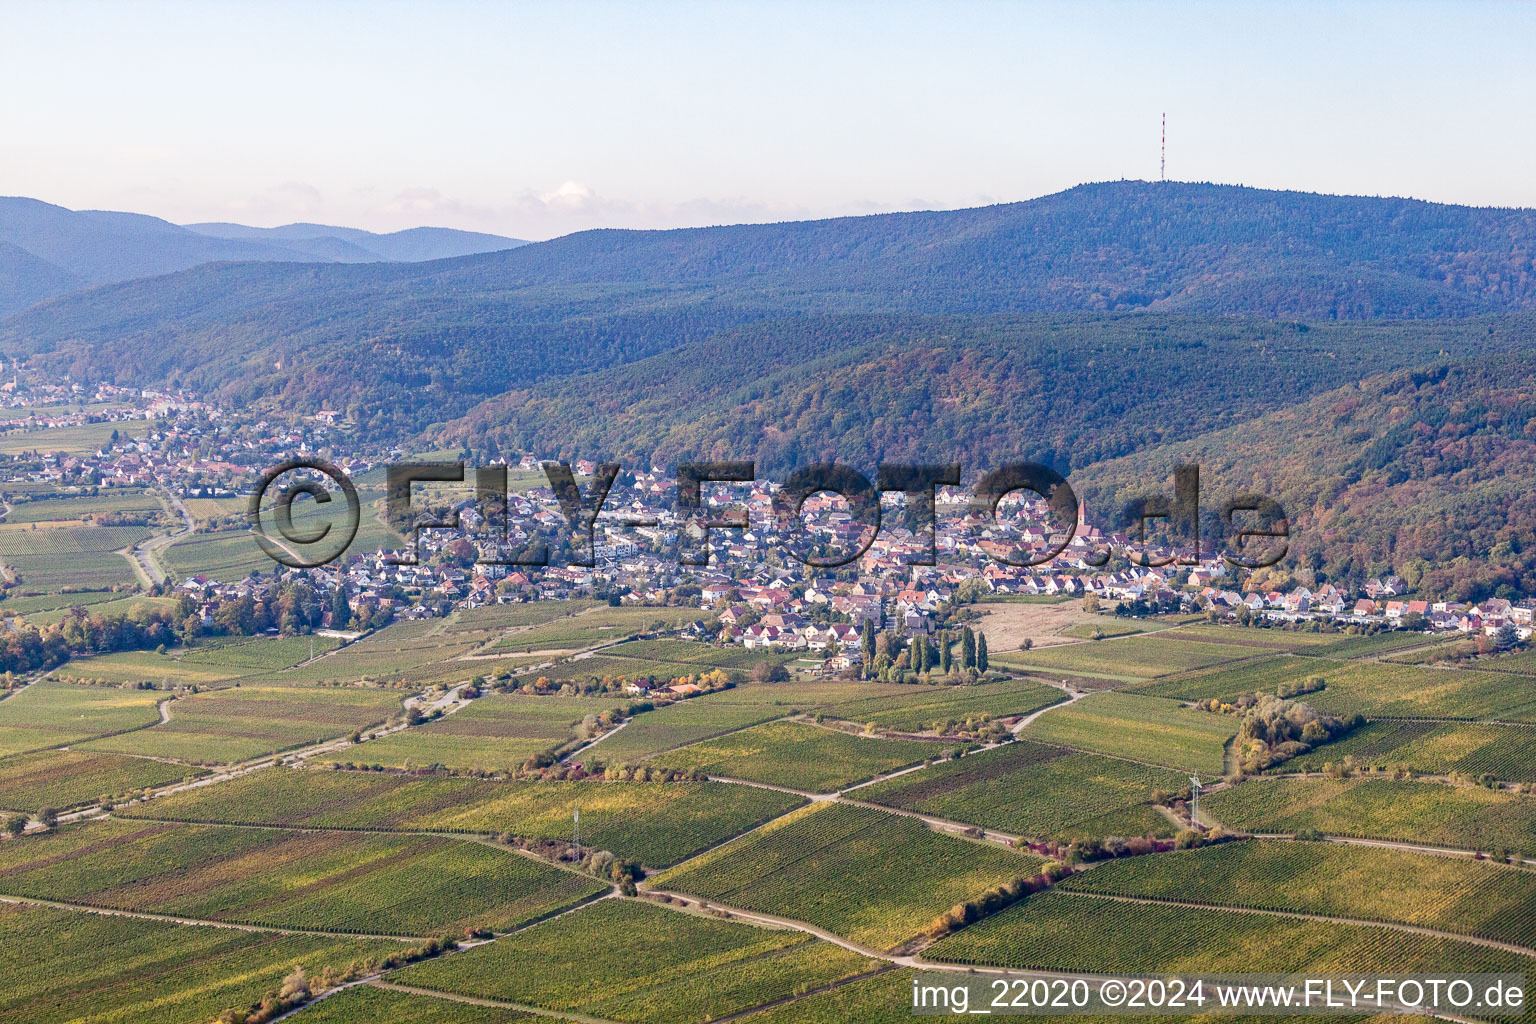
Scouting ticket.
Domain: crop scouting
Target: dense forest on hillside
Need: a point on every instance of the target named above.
(1429, 472)
(401, 346)
(1068, 391)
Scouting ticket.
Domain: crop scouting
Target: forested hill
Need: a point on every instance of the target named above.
(47, 250)
(401, 346)
(1428, 472)
(1068, 390)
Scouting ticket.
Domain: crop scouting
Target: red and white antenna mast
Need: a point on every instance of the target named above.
(1162, 166)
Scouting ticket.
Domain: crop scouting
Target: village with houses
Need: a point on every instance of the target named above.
(753, 591)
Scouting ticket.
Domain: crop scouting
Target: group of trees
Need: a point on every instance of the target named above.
(13, 825)
(995, 899)
(886, 656)
(1275, 729)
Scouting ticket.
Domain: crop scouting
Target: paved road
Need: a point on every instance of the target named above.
(145, 555)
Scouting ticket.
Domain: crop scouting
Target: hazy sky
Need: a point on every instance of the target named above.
(537, 119)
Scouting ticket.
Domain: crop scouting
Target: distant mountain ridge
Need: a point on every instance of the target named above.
(1104, 330)
(415, 344)
(354, 245)
(74, 249)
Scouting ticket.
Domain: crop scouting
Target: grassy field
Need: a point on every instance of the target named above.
(1505, 751)
(117, 970)
(28, 603)
(683, 967)
(495, 733)
(676, 725)
(1140, 728)
(83, 439)
(1448, 894)
(870, 876)
(224, 726)
(656, 823)
(63, 779)
(332, 881)
(1062, 930)
(1376, 808)
(1034, 790)
(51, 714)
(934, 708)
(799, 756)
(83, 556)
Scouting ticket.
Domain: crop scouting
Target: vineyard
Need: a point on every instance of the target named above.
(497, 617)
(116, 970)
(70, 556)
(1447, 894)
(1385, 690)
(402, 651)
(368, 884)
(806, 694)
(260, 654)
(1034, 790)
(679, 967)
(225, 726)
(1262, 675)
(51, 714)
(1061, 930)
(870, 876)
(495, 733)
(1371, 646)
(677, 725)
(1257, 640)
(1504, 751)
(596, 627)
(226, 556)
(163, 671)
(934, 707)
(62, 506)
(1139, 728)
(885, 998)
(690, 652)
(805, 757)
(367, 1005)
(1421, 812)
(63, 779)
(1131, 659)
(656, 823)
